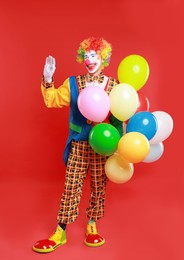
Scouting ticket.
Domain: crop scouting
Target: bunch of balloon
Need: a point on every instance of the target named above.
(155, 126)
(125, 102)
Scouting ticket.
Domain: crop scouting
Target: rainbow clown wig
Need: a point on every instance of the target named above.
(99, 45)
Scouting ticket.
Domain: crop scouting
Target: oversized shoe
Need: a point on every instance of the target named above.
(93, 239)
(49, 245)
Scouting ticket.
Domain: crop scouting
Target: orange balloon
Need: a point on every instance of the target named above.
(117, 169)
(133, 147)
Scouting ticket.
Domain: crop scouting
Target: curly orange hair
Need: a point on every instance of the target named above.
(99, 45)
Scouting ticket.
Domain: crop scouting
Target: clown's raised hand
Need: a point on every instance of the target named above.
(49, 69)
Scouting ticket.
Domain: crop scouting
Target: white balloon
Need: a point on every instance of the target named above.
(165, 127)
(156, 151)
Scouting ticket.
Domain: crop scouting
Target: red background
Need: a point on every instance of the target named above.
(144, 217)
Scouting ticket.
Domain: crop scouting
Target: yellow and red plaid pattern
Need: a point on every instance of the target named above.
(81, 159)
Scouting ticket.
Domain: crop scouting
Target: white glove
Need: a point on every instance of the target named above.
(49, 69)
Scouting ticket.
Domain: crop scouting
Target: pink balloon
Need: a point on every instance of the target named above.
(94, 103)
(165, 127)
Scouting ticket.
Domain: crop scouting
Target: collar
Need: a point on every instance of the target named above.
(99, 77)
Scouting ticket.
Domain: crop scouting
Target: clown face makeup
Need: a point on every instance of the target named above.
(92, 62)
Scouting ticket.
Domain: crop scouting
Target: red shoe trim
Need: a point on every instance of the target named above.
(94, 240)
(45, 244)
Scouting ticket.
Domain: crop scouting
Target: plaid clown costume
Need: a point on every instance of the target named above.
(79, 157)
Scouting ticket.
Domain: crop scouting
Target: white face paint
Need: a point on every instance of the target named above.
(92, 61)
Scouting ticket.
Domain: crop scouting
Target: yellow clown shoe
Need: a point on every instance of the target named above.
(93, 239)
(49, 245)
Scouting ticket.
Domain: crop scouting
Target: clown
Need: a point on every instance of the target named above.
(79, 157)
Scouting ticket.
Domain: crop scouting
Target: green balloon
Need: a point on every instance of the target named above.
(104, 139)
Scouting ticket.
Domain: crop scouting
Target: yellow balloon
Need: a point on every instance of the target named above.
(134, 70)
(123, 101)
(118, 170)
(133, 147)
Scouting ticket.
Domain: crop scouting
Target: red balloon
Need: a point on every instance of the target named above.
(143, 104)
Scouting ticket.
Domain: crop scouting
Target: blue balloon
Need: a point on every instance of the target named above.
(143, 122)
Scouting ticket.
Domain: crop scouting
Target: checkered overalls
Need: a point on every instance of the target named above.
(82, 158)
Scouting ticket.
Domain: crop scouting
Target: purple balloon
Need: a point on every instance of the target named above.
(94, 103)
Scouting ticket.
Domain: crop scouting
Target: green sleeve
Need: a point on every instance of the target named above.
(116, 123)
